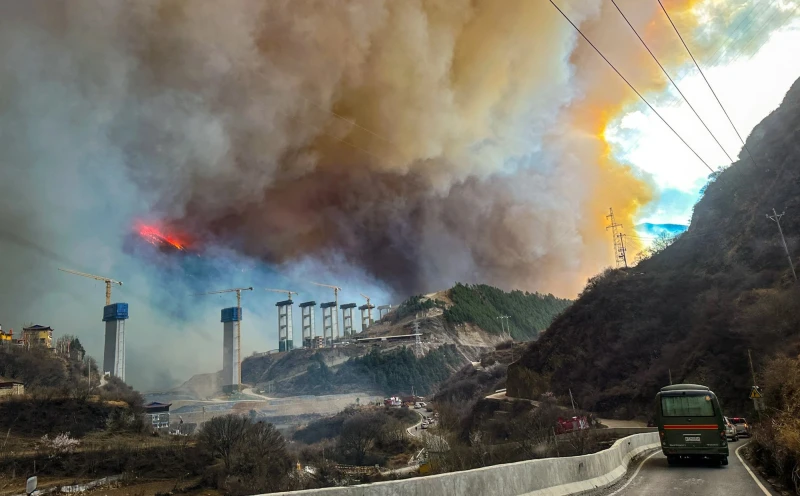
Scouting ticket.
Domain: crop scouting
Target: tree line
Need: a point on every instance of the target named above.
(480, 304)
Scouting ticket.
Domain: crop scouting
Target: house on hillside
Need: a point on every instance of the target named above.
(11, 387)
(6, 338)
(38, 335)
(158, 414)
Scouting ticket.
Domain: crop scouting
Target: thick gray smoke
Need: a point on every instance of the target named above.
(399, 145)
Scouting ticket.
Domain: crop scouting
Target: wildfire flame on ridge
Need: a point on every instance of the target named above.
(156, 237)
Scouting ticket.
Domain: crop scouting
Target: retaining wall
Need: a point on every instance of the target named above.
(545, 477)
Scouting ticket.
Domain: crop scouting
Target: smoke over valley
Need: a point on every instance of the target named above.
(391, 147)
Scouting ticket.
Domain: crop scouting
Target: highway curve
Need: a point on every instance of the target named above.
(654, 477)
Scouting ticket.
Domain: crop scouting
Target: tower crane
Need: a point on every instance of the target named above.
(238, 292)
(369, 307)
(106, 280)
(288, 293)
(336, 290)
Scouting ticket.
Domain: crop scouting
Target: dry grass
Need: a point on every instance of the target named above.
(776, 442)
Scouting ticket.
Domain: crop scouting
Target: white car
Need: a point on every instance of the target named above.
(730, 430)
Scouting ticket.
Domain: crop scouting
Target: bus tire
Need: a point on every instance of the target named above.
(723, 460)
(672, 460)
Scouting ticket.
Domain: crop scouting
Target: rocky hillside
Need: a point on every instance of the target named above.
(696, 307)
(457, 326)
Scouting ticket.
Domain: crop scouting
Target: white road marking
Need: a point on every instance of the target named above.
(764, 489)
(651, 455)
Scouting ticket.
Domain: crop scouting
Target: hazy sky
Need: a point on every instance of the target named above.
(749, 87)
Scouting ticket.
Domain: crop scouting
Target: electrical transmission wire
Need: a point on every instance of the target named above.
(744, 145)
(765, 26)
(631, 86)
(730, 38)
(671, 80)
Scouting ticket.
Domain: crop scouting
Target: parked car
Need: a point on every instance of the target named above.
(742, 427)
(730, 430)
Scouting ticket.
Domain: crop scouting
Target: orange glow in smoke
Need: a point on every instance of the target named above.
(157, 237)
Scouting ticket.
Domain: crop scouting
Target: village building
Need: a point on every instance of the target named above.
(157, 414)
(38, 335)
(11, 387)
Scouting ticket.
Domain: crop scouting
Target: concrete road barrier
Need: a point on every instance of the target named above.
(545, 477)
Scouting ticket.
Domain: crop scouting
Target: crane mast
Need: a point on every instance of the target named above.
(369, 307)
(336, 290)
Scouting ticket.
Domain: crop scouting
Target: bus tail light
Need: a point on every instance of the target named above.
(722, 434)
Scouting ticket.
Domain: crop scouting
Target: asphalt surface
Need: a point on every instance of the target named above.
(416, 429)
(654, 477)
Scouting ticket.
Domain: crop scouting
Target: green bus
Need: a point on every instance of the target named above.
(690, 424)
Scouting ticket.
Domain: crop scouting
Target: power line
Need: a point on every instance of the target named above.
(785, 19)
(765, 26)
(744, 145)
(670, 79)
(631, 86)
(730, 38)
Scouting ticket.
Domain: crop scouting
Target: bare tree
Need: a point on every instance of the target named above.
(358, 435)
(264, 441)
(662, 241)
(223, 435)
(534, 429)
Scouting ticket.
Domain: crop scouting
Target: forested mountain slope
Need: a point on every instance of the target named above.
(696, 307)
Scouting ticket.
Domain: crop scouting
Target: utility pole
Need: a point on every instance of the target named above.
(506, 329)
(755, 389)
(777, 218)
(670, 377)
(571, 400)
(620, 256)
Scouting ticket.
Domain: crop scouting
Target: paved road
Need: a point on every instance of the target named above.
(416, 429)
(654, 477)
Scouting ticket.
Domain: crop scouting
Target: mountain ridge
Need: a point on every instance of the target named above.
(693, 310)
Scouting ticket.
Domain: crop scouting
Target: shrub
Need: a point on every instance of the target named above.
(59, 445)
(253, 454)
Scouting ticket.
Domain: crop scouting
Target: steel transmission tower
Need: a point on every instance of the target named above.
(620, 255)
(777, 218)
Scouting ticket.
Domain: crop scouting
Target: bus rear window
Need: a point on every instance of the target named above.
(687, 406)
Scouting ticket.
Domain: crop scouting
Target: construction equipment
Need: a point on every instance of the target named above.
(366, 320)
(238, 292)
(106, 280)
(288, 293)
(336, 290)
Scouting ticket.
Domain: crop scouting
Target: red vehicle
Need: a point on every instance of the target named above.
(571, 424)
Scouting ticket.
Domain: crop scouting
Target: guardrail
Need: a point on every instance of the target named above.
(549, 476)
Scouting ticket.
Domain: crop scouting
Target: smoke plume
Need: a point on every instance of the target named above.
(410, 144)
